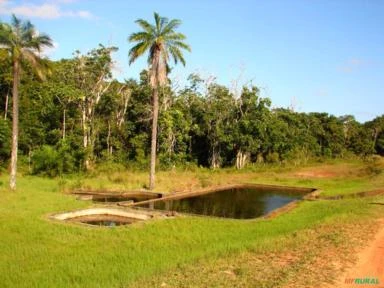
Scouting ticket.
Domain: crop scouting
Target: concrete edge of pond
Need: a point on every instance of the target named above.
(101, 211)
(108, 193)
(282, 210)
(310, 192)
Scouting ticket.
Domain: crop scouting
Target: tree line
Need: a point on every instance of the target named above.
(80, 116)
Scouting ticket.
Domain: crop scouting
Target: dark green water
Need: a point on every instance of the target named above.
(106, 223)
(234, 203)
(104, 220)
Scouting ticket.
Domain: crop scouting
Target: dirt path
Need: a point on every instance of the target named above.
(369, 269)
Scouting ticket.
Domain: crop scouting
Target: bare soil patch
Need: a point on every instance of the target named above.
(368, 271)
(327, 171)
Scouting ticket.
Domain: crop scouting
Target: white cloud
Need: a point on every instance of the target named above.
(352, 65)
(48, 10)
(63, 1)
(321, 92)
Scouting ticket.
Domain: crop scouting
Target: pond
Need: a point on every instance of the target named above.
(239, 203)
(106, 216)
(104, 220)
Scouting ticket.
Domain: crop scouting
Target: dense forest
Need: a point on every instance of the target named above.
(81, 116)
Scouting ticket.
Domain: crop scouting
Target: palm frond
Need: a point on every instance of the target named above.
(39, 65)
(175, 36)
(5, 34)
(171, 26)
(177, 55)
(138, 50)
(160, 22)
(146, 26)
(162, 42)
(157, 21)
(27, 31)
(179, 44)
(140, 36)
(16, 22)
(38, 42)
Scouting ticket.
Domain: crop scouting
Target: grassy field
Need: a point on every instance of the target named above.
(332, 178)
(37, 252)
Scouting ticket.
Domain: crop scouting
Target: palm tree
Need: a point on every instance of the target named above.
(161, 41)
(23, 43)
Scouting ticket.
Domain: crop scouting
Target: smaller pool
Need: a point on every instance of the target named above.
(104, 220)
(109, 217)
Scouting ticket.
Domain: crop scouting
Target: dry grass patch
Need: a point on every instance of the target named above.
(309, 258)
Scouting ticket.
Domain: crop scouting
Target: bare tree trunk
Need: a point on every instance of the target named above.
(215, 159)
(259, 158)
(15, 123)
(6, 105)
(85, 135)
(241, 159)
(155, 95)
(84, 122)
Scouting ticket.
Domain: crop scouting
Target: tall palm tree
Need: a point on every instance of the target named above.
(161, 41)
(24, 45)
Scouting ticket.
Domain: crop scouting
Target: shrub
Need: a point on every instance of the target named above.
(45, 161)
(374, 165)
(53, 161)
(273, 157)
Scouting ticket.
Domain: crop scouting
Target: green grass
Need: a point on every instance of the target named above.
(37, 252)
(345, 178)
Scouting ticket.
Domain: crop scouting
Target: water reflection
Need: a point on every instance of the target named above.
(234, 203)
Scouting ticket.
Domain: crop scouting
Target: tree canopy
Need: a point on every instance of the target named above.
(201, 124)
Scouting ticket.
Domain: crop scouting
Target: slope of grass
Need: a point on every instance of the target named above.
(37, 252)
(332, 178)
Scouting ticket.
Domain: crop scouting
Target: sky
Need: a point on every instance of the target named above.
(309, 55)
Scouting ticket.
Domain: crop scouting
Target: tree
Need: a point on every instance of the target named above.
(252, 114)
(162, 41)
(218, 119)
(5, 79)
(94, 78)
(24, 44)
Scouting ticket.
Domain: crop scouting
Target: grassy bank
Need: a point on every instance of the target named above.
(332, 178)
(37, 252)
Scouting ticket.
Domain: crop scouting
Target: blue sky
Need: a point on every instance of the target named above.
(313, 55)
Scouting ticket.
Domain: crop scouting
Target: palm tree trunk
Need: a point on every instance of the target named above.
(155, 95)
(15, 123)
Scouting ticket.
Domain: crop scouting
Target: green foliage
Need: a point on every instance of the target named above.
(273, 157)
(5, 140)
(46, 161)
(162, 43)
(203, 124)
(54, 161)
